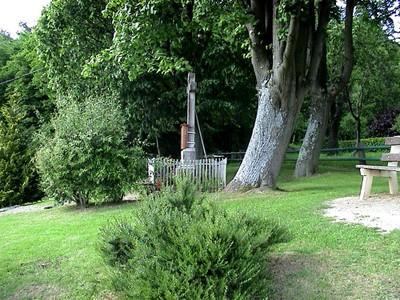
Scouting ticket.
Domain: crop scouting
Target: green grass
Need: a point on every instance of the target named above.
(52, 254)
(325, 260)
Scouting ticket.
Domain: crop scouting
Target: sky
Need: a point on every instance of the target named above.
(12, 12)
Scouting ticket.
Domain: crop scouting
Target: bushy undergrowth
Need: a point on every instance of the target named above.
(369, 142)
(85, 156)
(18, 178)
(181, 246)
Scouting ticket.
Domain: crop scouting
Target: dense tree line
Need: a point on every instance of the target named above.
(24, 106)
(309, 63)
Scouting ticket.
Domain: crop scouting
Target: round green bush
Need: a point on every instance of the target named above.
(181, 246)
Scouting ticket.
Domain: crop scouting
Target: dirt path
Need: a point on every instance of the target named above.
(378, 211)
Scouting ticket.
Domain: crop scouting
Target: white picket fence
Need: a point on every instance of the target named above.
(208, 174)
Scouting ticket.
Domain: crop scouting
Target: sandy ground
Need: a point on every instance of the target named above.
(378, 211)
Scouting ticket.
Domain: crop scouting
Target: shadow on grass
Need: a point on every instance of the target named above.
(93, 207)
(300, 276)
(297, 276)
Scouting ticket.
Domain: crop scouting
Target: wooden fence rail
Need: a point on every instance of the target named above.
(207, 174)
(238, 155)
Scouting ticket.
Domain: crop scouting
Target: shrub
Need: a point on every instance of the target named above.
(370, 142)
(87, 158)
(181, 246)
(18, 178)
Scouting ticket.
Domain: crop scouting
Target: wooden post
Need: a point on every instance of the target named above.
(184, 136)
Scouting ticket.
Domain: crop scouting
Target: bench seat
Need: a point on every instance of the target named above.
(390, 171)
(380, 168)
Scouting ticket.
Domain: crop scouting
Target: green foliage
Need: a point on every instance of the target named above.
(30, 84)
(370, 142)
(23, 107)
(87, 157)
(76, 41)
(396, 125)
(374, 85)
(6, 50)
(18, 179)
(198, 35)
(68, 33)
(180, 246)
(117, 242)
(6, 47)
(347, 129)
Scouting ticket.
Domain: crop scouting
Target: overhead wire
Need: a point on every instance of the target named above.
(19, 77)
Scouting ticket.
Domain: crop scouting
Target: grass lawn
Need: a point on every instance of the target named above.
(51, 254)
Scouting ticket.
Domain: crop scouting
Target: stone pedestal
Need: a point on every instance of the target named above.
(188, 154)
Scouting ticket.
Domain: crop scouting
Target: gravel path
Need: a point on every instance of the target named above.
(22, 208)
(378, 211)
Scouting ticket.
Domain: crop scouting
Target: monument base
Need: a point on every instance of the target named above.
(188, 154)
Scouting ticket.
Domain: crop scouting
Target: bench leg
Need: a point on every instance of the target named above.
(366, 186)
(393, 185)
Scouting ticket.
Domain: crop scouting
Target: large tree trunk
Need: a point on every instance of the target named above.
(266, 150)
(307, 161)
(284, 69)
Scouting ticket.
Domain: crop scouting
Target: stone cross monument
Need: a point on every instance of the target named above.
(188, 130)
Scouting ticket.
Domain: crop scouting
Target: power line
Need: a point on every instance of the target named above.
(22, 76)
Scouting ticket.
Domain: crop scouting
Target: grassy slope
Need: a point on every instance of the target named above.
(326, 260)
(52, 254)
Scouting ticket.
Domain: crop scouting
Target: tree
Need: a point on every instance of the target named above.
(18, 179)
(23, 74)
(369, 37)
(374, 85)
(6, 50)
(68, 34)
(79, 62)
(285, 74)
(286, 40)
(23, 107)
(322, 95)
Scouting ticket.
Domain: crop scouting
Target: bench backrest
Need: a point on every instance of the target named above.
(394, 156)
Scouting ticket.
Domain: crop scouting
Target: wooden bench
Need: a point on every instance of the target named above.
(389, 171)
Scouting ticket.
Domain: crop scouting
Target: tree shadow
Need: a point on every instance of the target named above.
(297, 276)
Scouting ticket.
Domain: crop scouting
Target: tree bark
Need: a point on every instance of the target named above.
(336, 114)
(285, 70)
(307, 161)
(266, 150)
